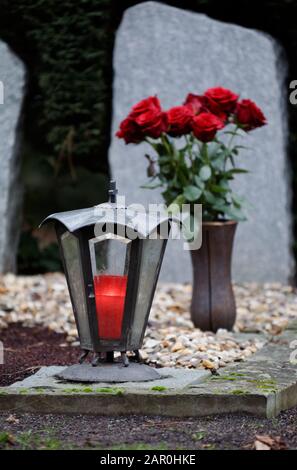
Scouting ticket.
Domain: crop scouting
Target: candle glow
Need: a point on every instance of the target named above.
(110, 293)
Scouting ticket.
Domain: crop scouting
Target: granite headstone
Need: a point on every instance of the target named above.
(12, 78)
(170, 52)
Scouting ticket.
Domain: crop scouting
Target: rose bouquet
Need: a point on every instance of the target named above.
(195, 148)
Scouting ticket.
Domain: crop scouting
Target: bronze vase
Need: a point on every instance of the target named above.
(213, 303)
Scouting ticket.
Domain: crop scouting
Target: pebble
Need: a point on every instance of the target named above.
(151, 343)
(177, 347)
(171, 340)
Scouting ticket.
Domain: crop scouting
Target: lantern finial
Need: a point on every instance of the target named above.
(112, 192)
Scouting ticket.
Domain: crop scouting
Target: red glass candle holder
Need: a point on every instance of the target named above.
(110, 293)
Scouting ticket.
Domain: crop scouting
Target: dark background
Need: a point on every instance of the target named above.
(67, 48)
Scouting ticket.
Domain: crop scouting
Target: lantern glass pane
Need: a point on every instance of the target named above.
(149, 269)
(110, 256)
(71, 252)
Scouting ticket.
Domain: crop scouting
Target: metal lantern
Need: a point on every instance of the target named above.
(112, 258)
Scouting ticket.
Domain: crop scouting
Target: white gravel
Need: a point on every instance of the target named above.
(171, 339)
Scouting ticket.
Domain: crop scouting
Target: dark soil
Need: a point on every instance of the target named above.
(135, 432)
(27, 349)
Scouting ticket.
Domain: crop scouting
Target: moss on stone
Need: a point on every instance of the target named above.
(240, 392)
(159, 388)
(112, 390)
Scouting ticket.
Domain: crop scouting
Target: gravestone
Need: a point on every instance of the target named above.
(12, 78)
(170, 52)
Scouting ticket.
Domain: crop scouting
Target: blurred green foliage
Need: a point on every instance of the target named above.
(33, 260)
(67, 48)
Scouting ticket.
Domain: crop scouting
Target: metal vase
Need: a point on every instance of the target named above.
(213, 303)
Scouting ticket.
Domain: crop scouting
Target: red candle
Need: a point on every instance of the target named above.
(110, 293)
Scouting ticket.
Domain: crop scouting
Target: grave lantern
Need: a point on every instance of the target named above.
(112, 256)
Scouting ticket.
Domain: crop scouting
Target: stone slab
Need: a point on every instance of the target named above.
(263, 385)
(171, 52)
(175, 379)
(110, 373)
(12, 76)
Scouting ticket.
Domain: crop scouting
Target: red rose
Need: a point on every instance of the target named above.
(130, 132)
(145, 119)
(223, 97)
(196, 103)
(203, 104)
(249, 115)
(205, 126)
(179, 120)
(152, 103)
(150, 118)
(152, 124)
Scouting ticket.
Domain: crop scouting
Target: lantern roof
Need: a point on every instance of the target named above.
(137, 219)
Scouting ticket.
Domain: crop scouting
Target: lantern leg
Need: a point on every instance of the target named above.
(83, 356)
(125, 359)
(96, 359)
(109, 356)
(137, 357)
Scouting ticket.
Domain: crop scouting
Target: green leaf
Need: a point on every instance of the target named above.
(233, 171)
(221, 207)
(190, 228)
(210, 198)
(218, 161)
(225, 184)
(199, 183)
(165, 169)
(178, 201)
(204, 150)
(170, 148)
(174, 184)
(238, 170)
(192, 193)
(159, 148)
(242, 147)
(182, 174)
(218, 188)
(238, 201)
(151, 185)
(205, 172)
(213, 149)
(234, 133)
(169, 195)
(164, 159)
(235, 213)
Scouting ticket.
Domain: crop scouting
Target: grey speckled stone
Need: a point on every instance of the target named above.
(171, 378)
(12, 75)
(109, 373)
(171, 52)
(264, 384)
